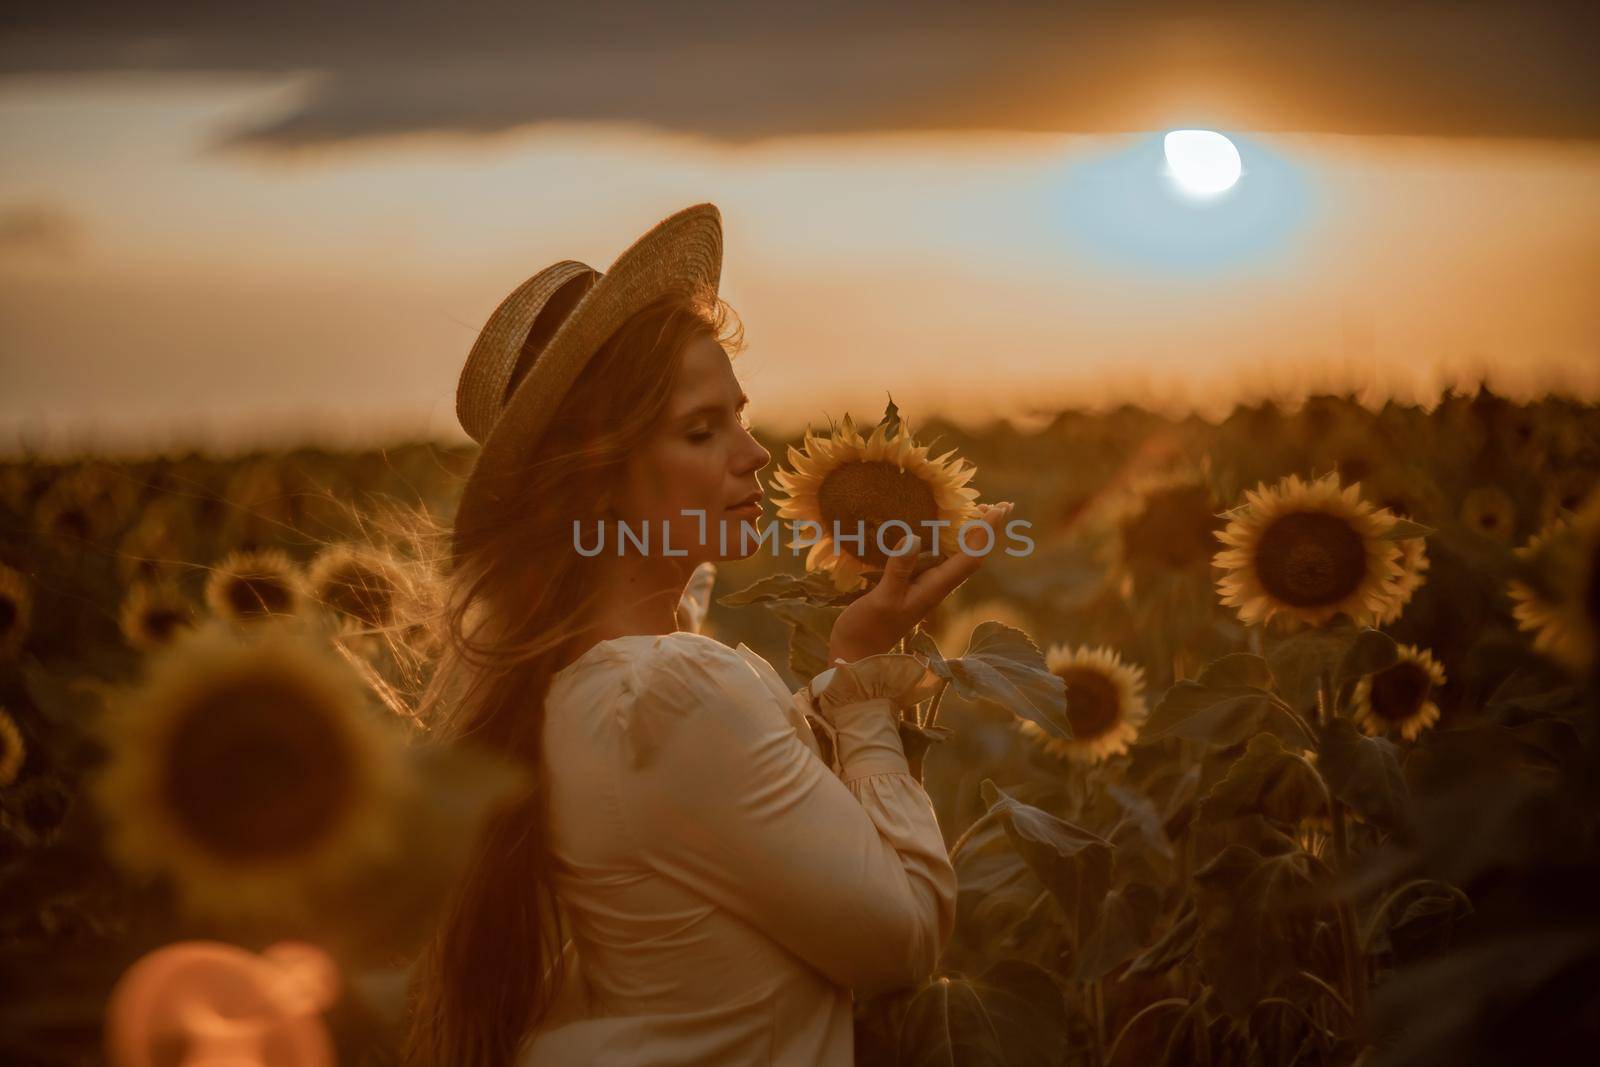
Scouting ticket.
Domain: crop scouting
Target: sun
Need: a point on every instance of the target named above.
(1202, 162)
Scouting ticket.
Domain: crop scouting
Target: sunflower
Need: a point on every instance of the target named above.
(1566, 493)
(1304, 552)
(250, 584)
(1169, 525)
(1105, 704)
(248, 769)
(13, 753)
(953, 629)
(847, 484)
(1563, 611)
(1413, 567)
(20, 486)
(1353, 453)
(357, 583)
(1399, 698)
(16, 611)
(153, 613)
(1407, 492)
(155, 546)
(260, 506)
(1489, 511)
(87, 503)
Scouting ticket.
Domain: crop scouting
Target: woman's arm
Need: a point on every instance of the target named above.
(849, 873)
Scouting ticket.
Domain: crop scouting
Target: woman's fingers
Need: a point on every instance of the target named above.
(897, 572)
(936, 583)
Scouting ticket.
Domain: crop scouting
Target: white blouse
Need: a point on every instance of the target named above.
(725, 887)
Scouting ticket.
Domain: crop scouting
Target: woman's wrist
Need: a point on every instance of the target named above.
(849, 653)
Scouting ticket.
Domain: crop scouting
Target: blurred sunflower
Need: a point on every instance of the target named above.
(13, 753)
(249, 770)
(1304, 552)
(1353, 454)
(250, 584)
(953, 629)
(86, 503)
(1407, 491)
(260, 505)
(21, 485)
(1566, 493)
(356, 582)
(157, 544)
(1490, 512)
(1399, 698)
(1168, 525)
(153, 613)
(1562, 610)
(845, 480)
(1413, 569)
(16, 611)
(1105, 704)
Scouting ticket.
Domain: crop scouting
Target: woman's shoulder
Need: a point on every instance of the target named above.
(688, 657)
(640, 661)
(682, 684)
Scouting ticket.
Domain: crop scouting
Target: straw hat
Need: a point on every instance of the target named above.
(560, 317)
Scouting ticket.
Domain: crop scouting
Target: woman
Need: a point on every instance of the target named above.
(728, 882)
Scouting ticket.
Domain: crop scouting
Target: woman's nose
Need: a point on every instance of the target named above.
(758, 456)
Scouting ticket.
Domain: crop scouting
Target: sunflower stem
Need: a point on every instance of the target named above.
(933, 705)
(1354, 961)
(966, 835)
(1325, 709)
(1097, 998)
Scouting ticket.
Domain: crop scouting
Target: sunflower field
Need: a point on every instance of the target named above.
(1277, 746)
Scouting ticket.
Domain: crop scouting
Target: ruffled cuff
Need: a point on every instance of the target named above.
(859, 711)
(903, 680)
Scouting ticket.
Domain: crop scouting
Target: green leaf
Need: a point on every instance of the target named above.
(1171, 949)
(1364, 772)
(809, 628)
(915, 740)
(1255, 923)
(1369, 653)
(813, 587)
(1224, 715)
(1405, 530)
(1267, 780)
(1299, 662)
(1012, 1014)
(1126, 920)
(1238, 669)
(1071, 862)
(1143, 848)
(1003, 666)
(891, 418)
(1427, 924)
(923, 643)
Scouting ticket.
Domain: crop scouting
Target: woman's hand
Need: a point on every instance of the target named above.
(874, 623)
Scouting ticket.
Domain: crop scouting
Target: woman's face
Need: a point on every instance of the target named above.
(700, 460)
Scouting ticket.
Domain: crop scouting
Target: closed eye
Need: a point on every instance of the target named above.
(716, 414)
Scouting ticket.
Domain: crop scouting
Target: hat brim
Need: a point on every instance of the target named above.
(680, 255)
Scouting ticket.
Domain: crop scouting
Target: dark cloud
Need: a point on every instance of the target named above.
(744, 72)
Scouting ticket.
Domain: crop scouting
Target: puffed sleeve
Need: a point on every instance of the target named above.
(718, 792)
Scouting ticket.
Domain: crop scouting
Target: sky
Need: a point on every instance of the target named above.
(244, 225)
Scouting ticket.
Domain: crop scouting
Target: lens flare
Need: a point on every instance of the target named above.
(1202, 162)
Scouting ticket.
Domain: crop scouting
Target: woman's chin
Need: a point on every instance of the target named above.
(740, 536)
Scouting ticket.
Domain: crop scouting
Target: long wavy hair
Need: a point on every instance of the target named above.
(504, 616)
